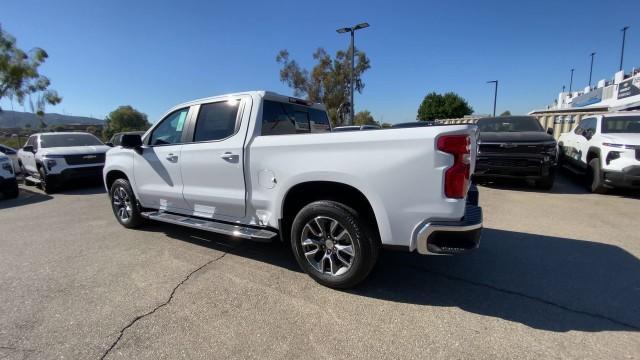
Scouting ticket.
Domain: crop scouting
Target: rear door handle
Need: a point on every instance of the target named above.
(229, 156)
(172, 158)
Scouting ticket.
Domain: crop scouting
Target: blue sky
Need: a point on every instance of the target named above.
(155, 54)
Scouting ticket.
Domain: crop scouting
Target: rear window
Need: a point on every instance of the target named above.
(66, 140)
(509, 124)
(284, 119)
(621, 124)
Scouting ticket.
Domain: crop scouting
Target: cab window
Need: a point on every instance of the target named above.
(216, 121)
(169, 131)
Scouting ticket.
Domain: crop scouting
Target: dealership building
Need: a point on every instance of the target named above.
(622, 93)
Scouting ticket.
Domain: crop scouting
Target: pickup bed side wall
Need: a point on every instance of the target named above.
(399, 171)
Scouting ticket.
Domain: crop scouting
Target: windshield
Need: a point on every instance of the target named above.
(621, 124)
(66, 140)
(509, 124)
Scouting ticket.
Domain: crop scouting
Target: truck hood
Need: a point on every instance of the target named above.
(75, 150)
(626, 138)
(514, 137)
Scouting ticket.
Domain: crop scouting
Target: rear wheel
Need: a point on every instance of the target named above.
(124, 204)
(333, 244)
(595, 180)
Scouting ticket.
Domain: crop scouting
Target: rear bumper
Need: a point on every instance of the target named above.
(452, 237)
(629, 177)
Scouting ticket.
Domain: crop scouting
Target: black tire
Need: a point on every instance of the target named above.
(47, 184)
(12, 192)
(546, 183)
(360, 241)
(595, 180)
(124, 204)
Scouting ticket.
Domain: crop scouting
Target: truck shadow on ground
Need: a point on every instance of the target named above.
(566, 183)
(544, 282)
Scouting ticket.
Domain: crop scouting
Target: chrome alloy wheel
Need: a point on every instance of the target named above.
(327, 245)
(122, 203)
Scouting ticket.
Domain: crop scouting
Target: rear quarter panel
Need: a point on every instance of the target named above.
(398, 170)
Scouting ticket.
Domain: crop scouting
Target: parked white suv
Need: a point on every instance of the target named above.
(8, 183)
(259, 165)
(50, 159)
(606, 148)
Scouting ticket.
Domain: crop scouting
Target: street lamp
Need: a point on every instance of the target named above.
(591, 69)
(624, 35)
(352, 31)
(495, 95)
(571, 81)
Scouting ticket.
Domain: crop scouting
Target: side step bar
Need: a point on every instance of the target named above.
(32, 179)
(212, 226)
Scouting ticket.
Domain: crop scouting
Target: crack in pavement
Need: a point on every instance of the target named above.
(173, 292)
(529, 297)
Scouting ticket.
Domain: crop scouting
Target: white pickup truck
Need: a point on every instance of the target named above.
(260, 165)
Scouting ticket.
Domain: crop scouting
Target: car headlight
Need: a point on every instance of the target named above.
(8, 167)
(50, 163)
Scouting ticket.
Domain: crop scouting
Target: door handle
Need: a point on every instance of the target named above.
(229, 156)
(172, 158)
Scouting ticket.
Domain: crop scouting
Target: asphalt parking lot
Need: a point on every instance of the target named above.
(557, 276)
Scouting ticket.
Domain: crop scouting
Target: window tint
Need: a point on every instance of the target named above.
(621, 124)
(7, 151)
(284, 119)
(590, 125)
(169, 131)
(216, 121)
(509, 124)
(66, 140)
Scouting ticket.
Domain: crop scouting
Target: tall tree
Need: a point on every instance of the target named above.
(124, 118)
(364, 117)
(329, 80)
(506, 113)
(448, 106)
(19, 76)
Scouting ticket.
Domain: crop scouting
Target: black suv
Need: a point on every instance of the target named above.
(516, 147)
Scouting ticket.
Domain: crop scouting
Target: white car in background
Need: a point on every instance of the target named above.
(606, 148)
(13, 155)
(51, 159)
(8, 182)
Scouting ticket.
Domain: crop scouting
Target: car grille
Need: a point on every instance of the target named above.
(512, 163)
(512, 148)
(84, 159)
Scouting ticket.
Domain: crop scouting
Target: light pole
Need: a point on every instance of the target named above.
(352, 30)
(571, 81)
(624, 35)
(495, 95)
(591, 69)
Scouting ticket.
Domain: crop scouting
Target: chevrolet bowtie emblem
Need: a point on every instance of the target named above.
(508, 145)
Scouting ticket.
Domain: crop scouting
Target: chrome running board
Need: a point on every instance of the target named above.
(211, 226)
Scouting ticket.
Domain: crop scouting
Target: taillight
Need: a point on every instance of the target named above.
(456, 178)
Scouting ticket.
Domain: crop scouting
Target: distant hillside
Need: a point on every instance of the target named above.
(16, 119)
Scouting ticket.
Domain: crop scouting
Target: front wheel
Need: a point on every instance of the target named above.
(124, 204)
(595, 178)
(333, 244)
(46, 183)
(546, 183)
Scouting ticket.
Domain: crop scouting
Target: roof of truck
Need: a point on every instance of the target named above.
(261, 93)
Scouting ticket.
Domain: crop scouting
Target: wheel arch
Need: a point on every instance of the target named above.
(592, 153)
(301, 194)
(114, 175)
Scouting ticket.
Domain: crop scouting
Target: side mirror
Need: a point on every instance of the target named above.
(28, 148)
(131, 141)
(588, 134)
(109, 144)
(550, 131)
